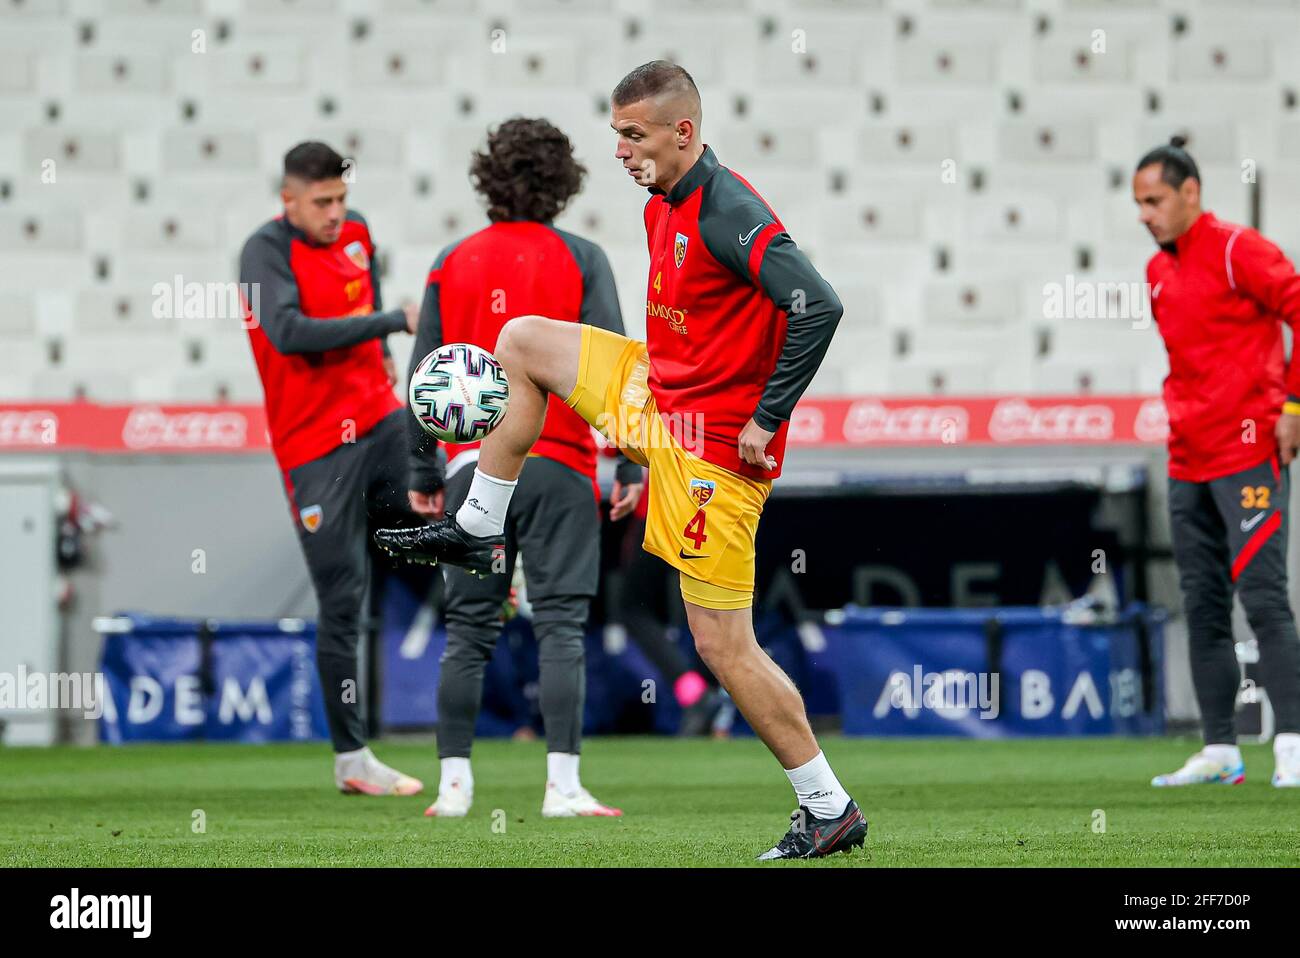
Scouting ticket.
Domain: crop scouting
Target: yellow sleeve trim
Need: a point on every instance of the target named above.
(1291, 408)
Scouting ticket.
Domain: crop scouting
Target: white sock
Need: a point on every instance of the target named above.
(817, 788)
(1288, 744)
(356, 755)
(453, 770)
(483, 513)
(1223, 754)
(562, 771)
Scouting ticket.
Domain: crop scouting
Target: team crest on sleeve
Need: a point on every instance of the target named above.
(679, 249)
(702, 490)
(356, 251)
(311, 517)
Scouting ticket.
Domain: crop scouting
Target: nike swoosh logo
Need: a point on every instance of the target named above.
(833, 838)
(683, 555)
(744, 240)
(1247, 526)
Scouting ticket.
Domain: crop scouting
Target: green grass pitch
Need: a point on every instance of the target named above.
(686, 803)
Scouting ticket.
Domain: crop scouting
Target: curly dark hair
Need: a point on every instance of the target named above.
(527, 172)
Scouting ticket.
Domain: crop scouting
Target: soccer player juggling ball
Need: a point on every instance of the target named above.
(737, 323)
(1219, 293)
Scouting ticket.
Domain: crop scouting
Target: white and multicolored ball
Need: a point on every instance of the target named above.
(459, 393)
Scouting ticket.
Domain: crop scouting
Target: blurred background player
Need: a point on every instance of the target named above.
(738, 322)
(521, 264)
(317, 333)
(1219, 293)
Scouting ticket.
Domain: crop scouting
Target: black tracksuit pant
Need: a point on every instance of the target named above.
(1231, 533)
(553, 521)
(338, 500)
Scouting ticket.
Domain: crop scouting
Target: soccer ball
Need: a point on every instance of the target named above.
(459, 393)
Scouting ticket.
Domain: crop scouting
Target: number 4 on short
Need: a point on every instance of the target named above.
(695, 529)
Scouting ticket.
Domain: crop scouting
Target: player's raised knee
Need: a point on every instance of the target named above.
(545, 350)
(522, 335)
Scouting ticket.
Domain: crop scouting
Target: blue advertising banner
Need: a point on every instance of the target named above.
(618, 699)
(194, 679)
(994, 673)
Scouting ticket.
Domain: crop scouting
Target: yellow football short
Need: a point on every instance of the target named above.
(701, 519)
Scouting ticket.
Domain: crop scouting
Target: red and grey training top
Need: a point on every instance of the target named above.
(508, 269)
(316, 328)
(1220, 293)
(737, 318)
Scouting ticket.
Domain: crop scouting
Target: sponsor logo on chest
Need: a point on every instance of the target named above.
(676, 317)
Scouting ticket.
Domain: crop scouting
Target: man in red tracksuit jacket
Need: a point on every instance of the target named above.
(1220, 294)
(317, 328)
(521, 264)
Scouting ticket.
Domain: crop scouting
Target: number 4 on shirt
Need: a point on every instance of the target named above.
(695, 529)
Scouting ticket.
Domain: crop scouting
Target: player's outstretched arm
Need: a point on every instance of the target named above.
(278, 311)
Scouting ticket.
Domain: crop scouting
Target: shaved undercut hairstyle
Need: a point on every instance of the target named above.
(655, 79)
(313, 161)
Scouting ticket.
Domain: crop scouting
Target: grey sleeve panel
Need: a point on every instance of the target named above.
(599, 292)
(627, 472)
(731, 218)
(812, 311)
(427, 468)
(377, 298)
(265, 262)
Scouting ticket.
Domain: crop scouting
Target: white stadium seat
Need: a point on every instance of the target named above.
(200, 151)
(17, 312)
(1073, 60)
(125, 311)
(124, 73)
(966, 303)
(123, 355)
(152, 8)
(1210, 141)
(1222, 57)
(210, 387)
(931, 61)
(35, 231)
(1046, 141)
(906, 143)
